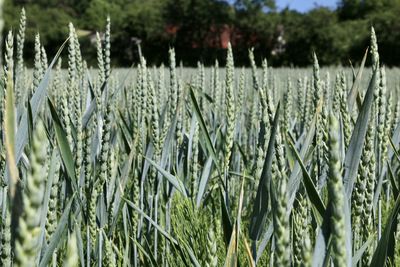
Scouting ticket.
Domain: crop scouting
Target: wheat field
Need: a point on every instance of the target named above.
(207, 166)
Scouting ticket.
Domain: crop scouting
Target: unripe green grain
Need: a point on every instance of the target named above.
(217, 87)
(318, 156)
(180, 112)
(230, 107)
(20, 50)
(195, 158)
(300, 98)
(57, 86)
(256, 85)
(265, 73)
(107, 50)
(51, 220)
(6, 256)
(374, 49)
(387, 127)
(105, 150)
(37, 68)
(396, 117)
(28, 243)
(381, 105)
(87, 157)
(327, 87)
(135, 189)
(240, 95)
(71, 257)
(287, 106)
(337, 95)
(100, 64)
(281, 226)
(173, 88)
(212, 257)
(144, 94)
(92, 217)
(317, 83)
(65, 115)
(369, 166)
(78, 57)
(358, 197)
(346, 120)
(307, 116)
(155, 130)
(300, 229)
(9, 60)
(269, 96)
(109, 257)
(306, 252)
(336, 196)
(280, 218)
(135, 110)
(43, 60)
(161, 87)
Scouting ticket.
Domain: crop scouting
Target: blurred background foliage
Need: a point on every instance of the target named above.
(200, 29)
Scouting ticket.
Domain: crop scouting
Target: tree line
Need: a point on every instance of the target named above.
(200, 29)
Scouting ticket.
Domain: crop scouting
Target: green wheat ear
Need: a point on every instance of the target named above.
(212, 257)
(346, 119)
(287, 106)
(280, 219)
(43, 60)
(368, 166)
(37, 67)
(374, 49)
(71, 257)
(5, 231)
(300, 230)
(336, 196)
(100, 65)
(9, 60)
(28, 243)
(229, 106)
(107, 50)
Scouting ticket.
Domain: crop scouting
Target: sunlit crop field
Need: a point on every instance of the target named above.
(208, 166)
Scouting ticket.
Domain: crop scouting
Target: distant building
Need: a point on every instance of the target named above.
(218, 37)
(280, 42)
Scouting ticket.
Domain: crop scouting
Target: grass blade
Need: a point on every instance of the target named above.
(203, 127)
(312, 192)
(395, 189)
(354, 150)
(385, 249)
(9, 125)
(259, 214)
(351, 98)
(65, 151)
(204, 181)
(172, 179)
(35, 103)
(58, 235)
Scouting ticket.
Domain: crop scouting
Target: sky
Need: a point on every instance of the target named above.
(305, 5)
